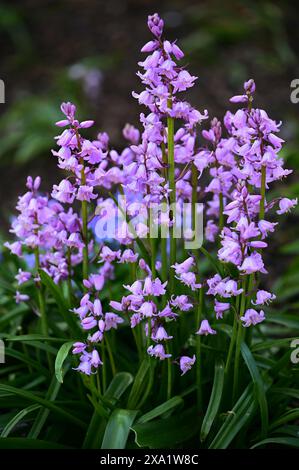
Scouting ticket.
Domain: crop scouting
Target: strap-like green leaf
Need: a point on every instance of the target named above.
(169, 432)
(60, 358)
(41, 401)
(259, 386)
(24, 443)
(17, 418)
(161, 409)
(118, 428)
(214, 402)
(96, 428)
(44, 412)
(286, 441)
(62, 303)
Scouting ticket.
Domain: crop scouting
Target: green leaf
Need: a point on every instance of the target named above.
(273, 343)
(286, 441)
(284, 391)
(34, 337)
(60, 358)
(161, 409)
(291, 321)
(24, 443)
(17, 418)
(167, 433)
(118, 385)
(43, 402)
(291, 415)
(25, 358)
(139, 384)
(44, 412)
(118, 428)
(259, 386)
(12, 315)
(236, 419)
(96, 428)
(62, 303)
(212, 260)
(215, 400)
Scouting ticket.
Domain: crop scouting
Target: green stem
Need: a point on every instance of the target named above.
(233, 339)
(172, 197)
(263, 193)
(221, 215)
(164, 258)
(104, 375)
(194, 176)
(84, 229)
(42, 306)
(149, 332)
(238, 342)
(169, 373)
(198, 349)
(110, 354)
(69, 279)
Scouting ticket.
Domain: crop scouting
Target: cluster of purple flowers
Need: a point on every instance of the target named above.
(241, 157)
(45, 228)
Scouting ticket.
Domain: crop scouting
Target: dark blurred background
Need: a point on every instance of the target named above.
(87, 51)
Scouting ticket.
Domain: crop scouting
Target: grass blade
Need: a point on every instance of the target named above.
(161, 409)
(17, 418)
(214, 402)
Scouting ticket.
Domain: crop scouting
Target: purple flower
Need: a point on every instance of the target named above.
(85, 193)
(183, 81)
(158, 351)
(220, 308)
(112, 320)
(15, 248)
(128, 256)
(205, 329)
(252, 317)
(285, 205)
(95, 359)
(22, 276)
(186, 363)
(160, 334)
(181, 302)
(64, 192)
(21, 297)
(263, 297)
(252, 264)
(183, 267)
(189, 279)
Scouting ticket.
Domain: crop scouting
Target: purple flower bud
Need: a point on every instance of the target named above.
(88, 323)
(156, 25)
(95, 359)
(79, 348)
